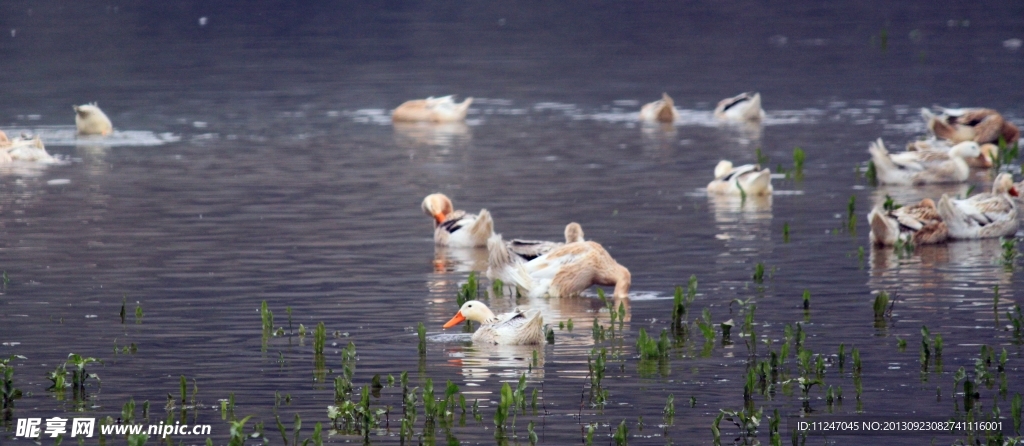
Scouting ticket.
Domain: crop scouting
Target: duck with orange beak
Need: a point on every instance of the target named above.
(457, 228)
(513, 328)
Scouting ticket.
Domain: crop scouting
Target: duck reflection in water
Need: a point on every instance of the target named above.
(437, 138)
(929, 271)
(742, 222)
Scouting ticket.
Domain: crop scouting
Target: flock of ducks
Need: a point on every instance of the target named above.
(958, 140)
(556, 269)
(89, 121)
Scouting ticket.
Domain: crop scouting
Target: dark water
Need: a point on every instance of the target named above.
(254, 161)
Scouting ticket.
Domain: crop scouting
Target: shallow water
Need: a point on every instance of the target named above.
(254, 161)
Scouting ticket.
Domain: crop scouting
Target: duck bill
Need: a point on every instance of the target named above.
(455, 320)
(439, 217)
(1014, 192)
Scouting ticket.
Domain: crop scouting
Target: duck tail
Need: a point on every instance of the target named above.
(499, 259)
(880, 156)
(760, 183)
(482, 229)
(462, 108)
(884, 230)
(754, 112)
(535, 324)
(955, 220)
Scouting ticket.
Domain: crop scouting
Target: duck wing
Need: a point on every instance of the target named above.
(530, 249)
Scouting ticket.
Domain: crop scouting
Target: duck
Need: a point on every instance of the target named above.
(90, 120)
(662, 110)
(457, 229)
(918, 224)
(981, 125)
(442, 109)
(518, 251)
(740, 108)
(989, 151)
(512, 328)
(923, 167)
(564, 271)
(751, 178)
(985, 215)
(4, 141)
(24, 148)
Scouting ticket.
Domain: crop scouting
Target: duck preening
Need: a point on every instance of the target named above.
(442, 109)
(457, 228)
(740, 108)
(749, 179)
(924, 166)
(564, 271)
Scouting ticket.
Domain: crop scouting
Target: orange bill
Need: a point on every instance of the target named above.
(455, 320)
(439, 217)
(1014, 192)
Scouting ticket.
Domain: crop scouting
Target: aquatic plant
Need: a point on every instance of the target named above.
(759, 272)
(807, 299)
(649, 348)
(1009, 252)
(785, 232)
(1015, 412)
(8, 393)
(497, 285)
(871, 174)
(421, 333)
(1007, 155)
(882, 307)
(670, 410)
(596, 364)
(704, 324)
(851, 217)
(621, 435)
(680, 302)
(550, 336)
(469, 290)
(1016, 319)
(762, 159)
(798, 163)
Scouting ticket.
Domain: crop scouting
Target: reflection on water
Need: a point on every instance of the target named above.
(447, 259)
(444, 136)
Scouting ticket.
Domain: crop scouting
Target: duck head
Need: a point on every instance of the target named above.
(1004, 185)
(473, 310)
(966, 150)
(573, 233)
(438, 206)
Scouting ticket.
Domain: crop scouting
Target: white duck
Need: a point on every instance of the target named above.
(923, 167)
(24, 148)
(443, 109)
(663, 111)
(985, 215)
(90, 120)
(457, 228)
(740, 108)
(513, 328)
(521, 251)
(981, 125)
(564, 271)
(989, 151)
(919, 224)
(754, 180)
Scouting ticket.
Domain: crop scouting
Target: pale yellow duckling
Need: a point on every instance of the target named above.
(985, 215)
(981, 125)
(744, 107)
(513, 328)
(457, 228)
(443, 109)
(919, 224)
(520, 251)
(923, 167)
(663, 111)
(751, 178)
(90, 120)
(564, 271)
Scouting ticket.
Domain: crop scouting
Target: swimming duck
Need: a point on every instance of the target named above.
(564, 271)
(923, 167)
(513, 328)
(662, 110)
(90, 120)
(443, 109)
(521, 251)
(24, 148)
(751, 178)
(981, 125)
(919, 224)
(457, 228)
(985, 215)
(989, 151)
(743, 107)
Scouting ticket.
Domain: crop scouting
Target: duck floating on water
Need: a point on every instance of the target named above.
(457, 228)
(923, 167)
(981, 125)
(90, 120)
(743, 107)
(985, 215)
(751, 178)
(564, 271)
(919, 224)
(662, 110)
(513, 328)
(442, 109)
(25, 148)
(989, 151)
(520, 251)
